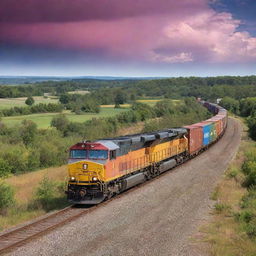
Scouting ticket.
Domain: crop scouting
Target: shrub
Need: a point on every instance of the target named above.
(5, 168)
(30, 101)
(251, 229)
(60, 122)
(45, 194)
(233, 173)
(28, 131)
(50, 195)
(248, 167)
(17, 158)
(245, 216)
(249, 199)
(220, 207)
(6, 196)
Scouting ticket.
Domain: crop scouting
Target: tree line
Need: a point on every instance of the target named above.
(38, 108)
(209, 87)
(246, 108)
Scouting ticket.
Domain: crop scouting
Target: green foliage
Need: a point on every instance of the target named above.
(164, 107)
(5, 168)
(249, 169)
(176, 115)
(252, 127)
(60, 122)
(119, 98)
(64, 99)
(16, 157)
(6, 196)
(80, 103)
(220, 208)
(28, 132)
(233, 173)
(45, 193)
(215, 194)
(50, 195)
(30, 101)
(38, 108)
(247, 216)
(230, 104)
(248, 107)
(249, 199)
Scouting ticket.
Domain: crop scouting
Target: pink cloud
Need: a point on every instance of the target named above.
(189, 31)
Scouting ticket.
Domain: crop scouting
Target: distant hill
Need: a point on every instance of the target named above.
(14, 80)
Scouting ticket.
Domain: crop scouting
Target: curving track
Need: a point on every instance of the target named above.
(157, 219)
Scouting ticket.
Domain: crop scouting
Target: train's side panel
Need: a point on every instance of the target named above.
(207, 128)
(211, 127)
(125, 164)
(218, 124)
(195, 138)
(168, 149)
(139, 159)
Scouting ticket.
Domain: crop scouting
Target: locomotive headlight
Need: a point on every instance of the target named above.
(85, 166)
(94, 178)
(72, 178)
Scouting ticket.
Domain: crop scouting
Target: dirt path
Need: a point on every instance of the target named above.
(156, 219)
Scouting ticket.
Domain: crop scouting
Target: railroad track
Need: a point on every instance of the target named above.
(17, 237)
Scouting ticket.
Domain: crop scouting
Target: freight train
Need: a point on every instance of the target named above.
(101, 169)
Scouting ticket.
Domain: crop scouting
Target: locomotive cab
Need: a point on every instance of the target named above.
(86, 169)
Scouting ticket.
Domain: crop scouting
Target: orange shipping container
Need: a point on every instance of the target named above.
(195, 138)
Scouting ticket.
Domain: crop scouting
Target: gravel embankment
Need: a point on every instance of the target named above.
(158, 218)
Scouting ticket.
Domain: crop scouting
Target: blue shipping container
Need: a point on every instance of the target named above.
(206, 131)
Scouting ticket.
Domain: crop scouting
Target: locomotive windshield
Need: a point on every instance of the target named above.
(88, 154)
(78, 153)
(98, 154)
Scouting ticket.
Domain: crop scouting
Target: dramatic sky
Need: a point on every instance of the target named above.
(128, 37)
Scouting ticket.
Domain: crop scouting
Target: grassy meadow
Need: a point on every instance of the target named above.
(25, 187)
(20, 102)
(43, 120)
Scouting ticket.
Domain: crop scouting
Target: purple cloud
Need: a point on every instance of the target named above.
(83, 10)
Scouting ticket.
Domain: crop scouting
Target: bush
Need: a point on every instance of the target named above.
(45, 194)
(5, 168)
(17, 158)
(50, 195)
(30, 101)
(252, 127)
(28, 131)
(249, 199)
(6, 196)
(233, 173)
(249, 169)
(245, 216)
(60, 122)
(220, 207)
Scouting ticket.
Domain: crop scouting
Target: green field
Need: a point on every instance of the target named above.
(20, 102)
(43, 120)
